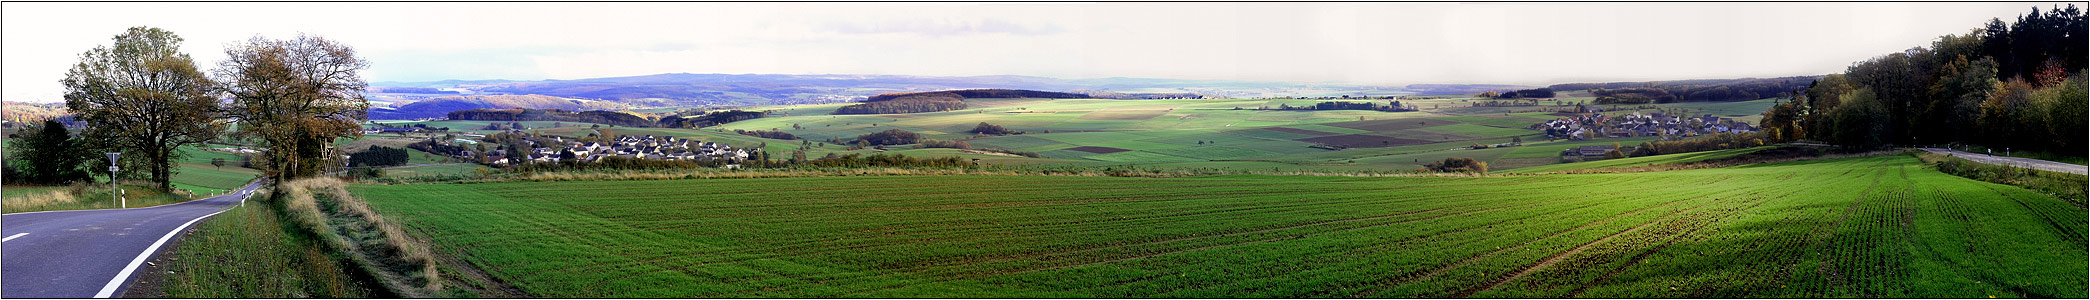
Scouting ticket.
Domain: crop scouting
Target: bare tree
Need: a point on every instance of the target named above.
(296, 96)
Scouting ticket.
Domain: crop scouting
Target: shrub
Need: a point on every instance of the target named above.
(1457, 165)
(378, 156)
(933, 143)
(991, 129)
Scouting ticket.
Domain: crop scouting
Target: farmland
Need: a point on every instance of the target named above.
(1169, 133)
(1882, 226)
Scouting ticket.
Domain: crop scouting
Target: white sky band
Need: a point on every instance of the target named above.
(1357, 43)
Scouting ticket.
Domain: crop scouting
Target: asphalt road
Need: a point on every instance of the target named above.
(91, 253)
(2015, 162)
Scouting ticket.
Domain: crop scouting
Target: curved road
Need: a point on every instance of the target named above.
(92, 253)
(2015, 162)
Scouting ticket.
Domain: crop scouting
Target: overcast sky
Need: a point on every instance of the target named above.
(1357, 43)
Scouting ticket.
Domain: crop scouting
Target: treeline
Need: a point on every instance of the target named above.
(1690, 90)
(431, 146)
(525, 114)
(1710, 142)
(1394, 106)
(2017, 86)
(767, 134)
(918, 102)
(889, 137)
(709, 119)
(378, 156)
(903, 106)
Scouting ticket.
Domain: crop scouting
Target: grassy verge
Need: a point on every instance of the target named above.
(86, 196)
(2061, 185)
(401, 263)
(248, 252)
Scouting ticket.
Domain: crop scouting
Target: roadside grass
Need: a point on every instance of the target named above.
(11, 191)
(1877, 226)
(436, 170)
(2066, 186)
(248, 252)
(87, 196)
(402, 263)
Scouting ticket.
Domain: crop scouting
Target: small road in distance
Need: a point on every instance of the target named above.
(2015, 162)
(92, 253)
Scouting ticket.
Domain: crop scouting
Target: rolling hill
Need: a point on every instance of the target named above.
(439, 106)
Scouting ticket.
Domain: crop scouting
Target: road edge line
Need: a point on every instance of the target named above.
(12, 237)
(110, 289)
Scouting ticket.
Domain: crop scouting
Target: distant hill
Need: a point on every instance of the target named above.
(685, 89)
(1740, 89)
(26, 112)
(918, 102)
(517, 114)
(1455, 89)
(441, 106)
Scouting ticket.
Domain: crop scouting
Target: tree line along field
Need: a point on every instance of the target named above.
(1883, 226)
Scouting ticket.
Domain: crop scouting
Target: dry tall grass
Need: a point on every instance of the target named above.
(403, 262)
(34, 202)
(90, 196)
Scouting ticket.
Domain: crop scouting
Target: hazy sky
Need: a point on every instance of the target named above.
(1359, 43)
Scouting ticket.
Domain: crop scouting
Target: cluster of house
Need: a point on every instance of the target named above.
(639, 147)
(1637, 124)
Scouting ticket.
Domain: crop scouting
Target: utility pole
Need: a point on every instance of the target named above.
(112, 179)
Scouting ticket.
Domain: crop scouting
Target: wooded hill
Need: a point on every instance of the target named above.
(918, 102)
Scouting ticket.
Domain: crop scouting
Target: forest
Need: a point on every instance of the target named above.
(2016, 86)
(709, 119)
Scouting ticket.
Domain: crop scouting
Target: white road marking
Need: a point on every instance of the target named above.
(110, 289)
(12, 237)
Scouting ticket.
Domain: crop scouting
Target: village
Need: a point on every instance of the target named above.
(516, 146)
(636, 147)
(1635, 124)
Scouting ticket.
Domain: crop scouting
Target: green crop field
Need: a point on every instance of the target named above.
(1167, 133)
(1885, 226)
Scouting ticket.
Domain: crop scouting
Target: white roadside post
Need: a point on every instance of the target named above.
(112, 179)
